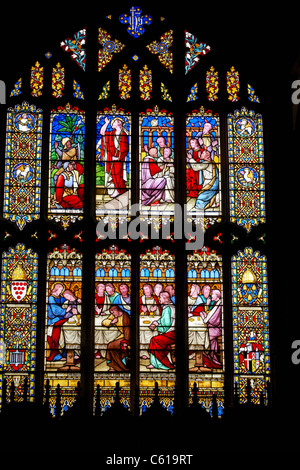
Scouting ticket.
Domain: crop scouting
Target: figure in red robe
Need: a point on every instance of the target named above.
(193, 183)
(114, 149)
(68, 188)
(99, 298)
(160, 347)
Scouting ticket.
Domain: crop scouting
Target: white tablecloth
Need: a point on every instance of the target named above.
(70, 334)
(103, 334)
(197, 334)
(145, 333)
(70, 337)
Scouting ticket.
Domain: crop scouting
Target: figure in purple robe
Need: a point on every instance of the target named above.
(214, 323)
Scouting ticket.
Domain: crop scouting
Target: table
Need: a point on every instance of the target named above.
(198, 336)
(70, 339)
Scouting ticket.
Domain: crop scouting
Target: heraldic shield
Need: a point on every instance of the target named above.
(19, 283)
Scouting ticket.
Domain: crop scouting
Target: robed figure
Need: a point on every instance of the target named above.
(114, 147)
(160, 347)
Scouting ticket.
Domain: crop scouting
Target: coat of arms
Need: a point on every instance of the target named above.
(19, 284)
(251, 353)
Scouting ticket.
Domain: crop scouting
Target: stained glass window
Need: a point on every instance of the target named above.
(157, 320)
(105, 91)
(108, 47)
(203, 171)
(195, 49)
(124, 82)
(157, 169)
(136, 21)
(63, 321)
(212, 84)
(22, 179)
(76, 47)
(252, 95)
(233, 84)
(124, 140)
(66, 168)
(17, 88)
(58, 80)
(250, 318)
(113, 318)
(193, 95)
(246, 168)
(146, 83)
(37, 79)
(77, 93)
(205, 325)
(18, 318)
(164, 92)
(113, 162)
(163, 49)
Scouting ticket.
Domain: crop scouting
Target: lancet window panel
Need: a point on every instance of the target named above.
(66, 165)
(203, 166)
(157, 164)
(157, 323)
(22, 177)
(205, 314)
(246, 169)
(18, 319)
(124, 82)
(37, 80)
(250, 316)
(113, 163)
(112, 322)
(145, 83)
(233, 84)
(212, 84)
(62, 363)
(58, 81)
